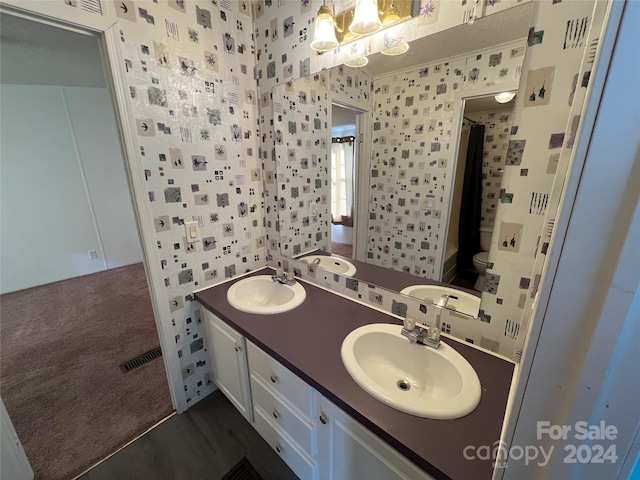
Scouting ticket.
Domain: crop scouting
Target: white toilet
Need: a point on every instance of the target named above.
(480, 258)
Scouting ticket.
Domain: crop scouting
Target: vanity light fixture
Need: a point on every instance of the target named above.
(397, 50)
(324, 36)
(358, 62)
(390, 17)
(505, 97)
(365, 18)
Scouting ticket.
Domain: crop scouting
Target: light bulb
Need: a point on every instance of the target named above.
(365, 18)
(505, 97)
(324, 35)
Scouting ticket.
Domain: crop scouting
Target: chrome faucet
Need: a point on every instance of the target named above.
(421, 333)
(284, 278)
(316, 261)
(444, 300)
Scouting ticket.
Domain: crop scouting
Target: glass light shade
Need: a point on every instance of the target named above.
(390, 16)
(324, 35)
(397, 50)
(505, 97)
(365, 18)
(358, 62)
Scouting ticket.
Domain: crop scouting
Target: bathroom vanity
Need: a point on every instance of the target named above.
(285, 374)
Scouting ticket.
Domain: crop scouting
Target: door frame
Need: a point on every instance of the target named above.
(362, 162)
(105, 28)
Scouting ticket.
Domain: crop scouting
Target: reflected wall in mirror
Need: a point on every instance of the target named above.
(405, 170)
(538, 157)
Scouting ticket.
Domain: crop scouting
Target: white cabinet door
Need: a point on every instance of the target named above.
(227, 353)
(348, 450)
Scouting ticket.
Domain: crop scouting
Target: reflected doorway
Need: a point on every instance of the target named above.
(482, 152)
(344, 175)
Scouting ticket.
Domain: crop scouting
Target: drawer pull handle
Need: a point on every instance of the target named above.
(275, 413)
(237, 347)
(323, 418)
(278, 448)
(273, 378)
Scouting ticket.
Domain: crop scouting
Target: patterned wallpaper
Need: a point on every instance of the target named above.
(414, 154)
(497, 126)
(190, 67)
(570, 53)
(294, 125)
(301, 133)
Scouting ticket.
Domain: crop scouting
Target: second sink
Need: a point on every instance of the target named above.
(413, 378)
(331, 263)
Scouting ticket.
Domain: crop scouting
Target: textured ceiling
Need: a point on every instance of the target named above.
(502, 27)
(485, 104)
(32, 53)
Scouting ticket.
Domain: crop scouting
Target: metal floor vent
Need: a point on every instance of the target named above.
(243, 470)
(141, 360)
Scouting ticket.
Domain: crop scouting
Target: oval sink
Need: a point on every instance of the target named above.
(466, 303)
(413, 378)
(333, 264)
(260, 294)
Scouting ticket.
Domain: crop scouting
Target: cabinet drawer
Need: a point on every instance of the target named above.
(300, 430)
(298, 461)
(281, 379)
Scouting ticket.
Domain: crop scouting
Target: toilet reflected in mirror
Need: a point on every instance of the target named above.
(482, 151)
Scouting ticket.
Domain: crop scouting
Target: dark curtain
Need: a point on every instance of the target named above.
(471, 204)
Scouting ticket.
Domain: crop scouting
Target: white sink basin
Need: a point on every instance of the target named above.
(413, 378)
(466, 303)
(260, 294)
(333, 264)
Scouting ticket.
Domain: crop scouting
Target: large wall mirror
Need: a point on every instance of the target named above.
(399, 131)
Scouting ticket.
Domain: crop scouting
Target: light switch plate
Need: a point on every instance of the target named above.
(191, 231)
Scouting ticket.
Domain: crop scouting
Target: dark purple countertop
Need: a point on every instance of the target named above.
(387, 278)
(307, 340)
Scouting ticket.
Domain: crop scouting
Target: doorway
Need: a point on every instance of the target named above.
(482, 152)
(74, 295)
(345, 150)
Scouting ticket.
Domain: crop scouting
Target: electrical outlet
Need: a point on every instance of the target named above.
(92, 254)
(313, 207)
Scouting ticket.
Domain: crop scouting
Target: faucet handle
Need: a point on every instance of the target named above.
(279, 272)
(433, 334)
(409, 324)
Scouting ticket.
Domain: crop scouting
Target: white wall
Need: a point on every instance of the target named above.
(63, 186)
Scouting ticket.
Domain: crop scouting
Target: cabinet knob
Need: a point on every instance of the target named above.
(273, 378)
(323, 418)
(278, 448)
(237, 347)
(275, 413)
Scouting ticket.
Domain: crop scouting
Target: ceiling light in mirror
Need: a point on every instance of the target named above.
(358, 62)
(396, 50)
(391, 15)
(324, 37)
(505, 97)
(365, 18)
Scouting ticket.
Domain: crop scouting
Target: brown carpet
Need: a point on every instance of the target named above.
(343, 249)
(61, 345)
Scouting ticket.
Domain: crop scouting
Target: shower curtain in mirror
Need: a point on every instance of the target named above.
(471, 204)
(342, 167)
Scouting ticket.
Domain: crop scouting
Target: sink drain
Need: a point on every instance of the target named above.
(403, 385)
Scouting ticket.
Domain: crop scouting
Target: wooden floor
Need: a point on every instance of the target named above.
(205, 442)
